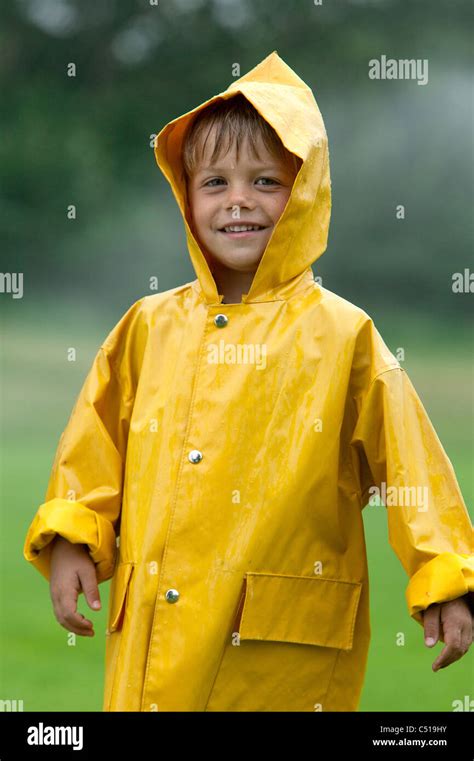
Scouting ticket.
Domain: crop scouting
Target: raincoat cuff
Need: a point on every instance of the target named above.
(443, 578)
(79, 525)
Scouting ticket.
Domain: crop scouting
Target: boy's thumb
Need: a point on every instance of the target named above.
(431, 625)
(88, 579)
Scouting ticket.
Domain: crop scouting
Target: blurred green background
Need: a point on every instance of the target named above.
(86, 141)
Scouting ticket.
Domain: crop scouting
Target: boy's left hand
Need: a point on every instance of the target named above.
(452, 623)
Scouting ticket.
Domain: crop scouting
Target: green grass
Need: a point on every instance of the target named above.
(37, 664)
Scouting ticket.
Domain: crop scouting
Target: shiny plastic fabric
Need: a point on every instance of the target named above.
(262, 537)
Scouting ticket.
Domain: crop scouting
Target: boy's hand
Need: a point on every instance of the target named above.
(452, 623)
(72, 571)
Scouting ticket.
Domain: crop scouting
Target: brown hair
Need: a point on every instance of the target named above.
(235, 119)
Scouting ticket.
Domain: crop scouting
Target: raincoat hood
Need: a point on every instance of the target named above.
(300, 236)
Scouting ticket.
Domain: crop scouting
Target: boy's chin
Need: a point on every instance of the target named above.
(239, 261)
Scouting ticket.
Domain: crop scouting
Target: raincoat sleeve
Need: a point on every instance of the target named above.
(84, 493)
(428, 522)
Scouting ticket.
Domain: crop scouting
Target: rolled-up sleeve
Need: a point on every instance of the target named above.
(84, 494)
(429, 526)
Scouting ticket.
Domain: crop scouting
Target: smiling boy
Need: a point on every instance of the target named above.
(241, 578)
(249, 188)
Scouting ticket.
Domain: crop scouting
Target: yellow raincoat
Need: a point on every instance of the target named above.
(233, 457)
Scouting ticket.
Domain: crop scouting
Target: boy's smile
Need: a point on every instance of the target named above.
(235, 205)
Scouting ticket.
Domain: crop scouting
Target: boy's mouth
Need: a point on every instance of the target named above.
(241, 231)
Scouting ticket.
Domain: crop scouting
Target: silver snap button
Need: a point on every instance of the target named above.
(195, 456)
(221, 320)
(172, 595)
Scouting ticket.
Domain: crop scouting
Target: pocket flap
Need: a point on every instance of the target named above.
(301, 609)
(118, 593)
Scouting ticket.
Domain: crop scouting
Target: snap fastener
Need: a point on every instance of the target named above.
(195, 456)
(221, 320)
(172, 595)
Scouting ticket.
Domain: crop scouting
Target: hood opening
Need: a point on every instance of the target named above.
(288, 106)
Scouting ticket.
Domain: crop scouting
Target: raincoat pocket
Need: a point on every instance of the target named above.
(288, 635)
(118, 595)
(300, 609)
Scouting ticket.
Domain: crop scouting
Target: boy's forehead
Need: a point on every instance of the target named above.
(227, 154)
(226, 163)
(264, 160)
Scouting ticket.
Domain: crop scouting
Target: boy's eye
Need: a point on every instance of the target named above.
(216, 180)
(268, 179)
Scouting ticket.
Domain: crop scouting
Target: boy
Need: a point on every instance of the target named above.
(230, 432)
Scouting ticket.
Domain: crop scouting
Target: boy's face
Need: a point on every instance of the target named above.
(234, 193)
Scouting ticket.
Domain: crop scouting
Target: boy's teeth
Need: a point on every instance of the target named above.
(241, 228)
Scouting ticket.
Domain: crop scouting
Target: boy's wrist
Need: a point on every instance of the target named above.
(59, 539)
(470, 601)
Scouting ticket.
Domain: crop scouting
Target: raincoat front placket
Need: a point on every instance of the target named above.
(186, 599)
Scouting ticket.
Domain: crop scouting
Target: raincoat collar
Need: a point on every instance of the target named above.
(300, 236)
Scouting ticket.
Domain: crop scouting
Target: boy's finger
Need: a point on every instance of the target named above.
(443, 659)
(431, 625)
(88, 579)
(454, 649)
(67, 613)
(72, 620)
(83, 631)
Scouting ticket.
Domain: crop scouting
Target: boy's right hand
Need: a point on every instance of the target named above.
(72, 571)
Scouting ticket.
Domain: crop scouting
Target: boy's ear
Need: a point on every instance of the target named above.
(298, 163)
(187, 204)
(190, 219)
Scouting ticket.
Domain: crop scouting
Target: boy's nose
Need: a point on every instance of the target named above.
(241, 198)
